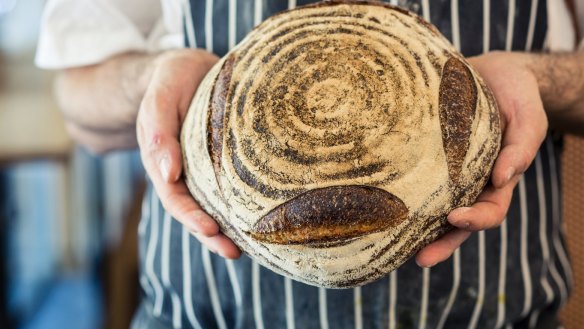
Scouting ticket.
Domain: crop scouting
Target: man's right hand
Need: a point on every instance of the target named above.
(174, 80)
(138, 99)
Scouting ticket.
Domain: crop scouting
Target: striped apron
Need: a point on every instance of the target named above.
(515, 276)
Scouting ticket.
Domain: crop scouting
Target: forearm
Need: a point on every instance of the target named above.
(101, 102)
(561, 84)
(104, 98)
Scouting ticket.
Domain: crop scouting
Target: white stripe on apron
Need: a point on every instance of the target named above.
(525, 272)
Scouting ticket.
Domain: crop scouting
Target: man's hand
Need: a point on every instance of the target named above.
(174, 80)
(107, 105)
(524, 125)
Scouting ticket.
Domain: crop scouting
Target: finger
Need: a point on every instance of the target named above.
(521, 140)
(487, 212)
(513, 160)
(157, 128)
(441, 249)
(177, 200)
(220, 244)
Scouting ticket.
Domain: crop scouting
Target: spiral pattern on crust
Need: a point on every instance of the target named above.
(319, 97)
(334, 95)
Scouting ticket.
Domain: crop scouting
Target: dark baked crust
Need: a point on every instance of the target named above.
(329, 3)
(217, 113)
(331, 214)
(458, 100)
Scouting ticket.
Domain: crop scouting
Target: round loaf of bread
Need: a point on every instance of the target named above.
(331, 143)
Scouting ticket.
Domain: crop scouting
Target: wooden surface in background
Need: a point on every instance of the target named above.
(573, 205)
(31, 126)
(120, 272)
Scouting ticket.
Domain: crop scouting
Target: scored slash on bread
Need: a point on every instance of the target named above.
(457, 104)
(331, 214)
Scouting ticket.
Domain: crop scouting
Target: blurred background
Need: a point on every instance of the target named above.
(68, 219)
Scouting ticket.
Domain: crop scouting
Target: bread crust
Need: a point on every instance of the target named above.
(332, 142)
(330, 214)
(457, 103)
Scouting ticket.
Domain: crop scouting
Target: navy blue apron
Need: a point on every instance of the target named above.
(515, 276)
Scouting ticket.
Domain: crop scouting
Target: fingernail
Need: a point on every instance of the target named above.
(423, 266)
(461, 224)
(452, 216)
(464, 226)
(201, 222)
(164, 167)
(508, 175)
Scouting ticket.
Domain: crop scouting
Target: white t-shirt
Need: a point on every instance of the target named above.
(84, 32)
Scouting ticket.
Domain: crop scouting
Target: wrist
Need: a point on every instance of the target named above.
(191, 59)
(560, 77)
(180, 71)
(137, 72)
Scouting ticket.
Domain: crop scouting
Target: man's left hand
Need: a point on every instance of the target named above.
(524, 126)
